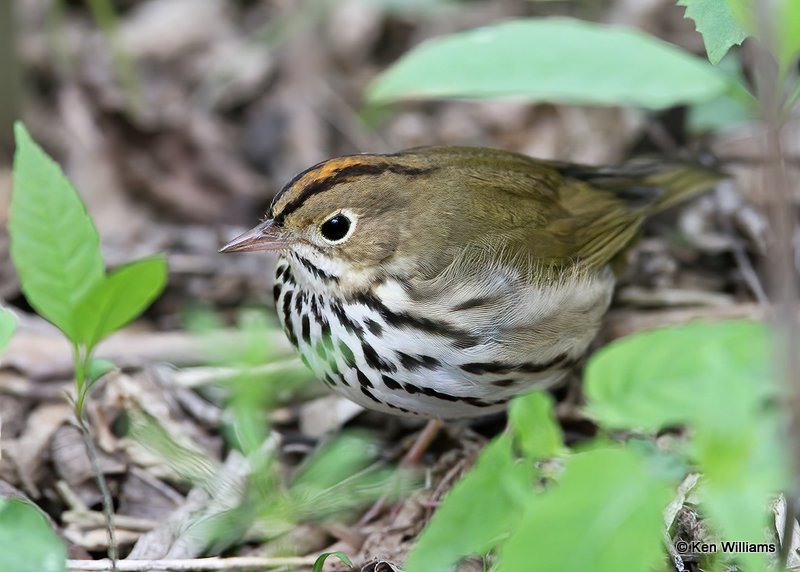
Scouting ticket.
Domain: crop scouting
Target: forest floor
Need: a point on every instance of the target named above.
(177, 139)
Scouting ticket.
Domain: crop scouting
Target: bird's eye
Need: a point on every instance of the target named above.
(335, 228)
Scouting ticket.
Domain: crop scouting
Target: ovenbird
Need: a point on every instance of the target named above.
(442, 281)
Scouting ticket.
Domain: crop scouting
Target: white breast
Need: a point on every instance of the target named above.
(441, 351)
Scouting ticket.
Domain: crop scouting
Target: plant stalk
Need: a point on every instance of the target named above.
(783, 271)
(82, 385)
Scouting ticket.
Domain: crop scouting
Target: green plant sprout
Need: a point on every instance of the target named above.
(320, 562)
(56, 252)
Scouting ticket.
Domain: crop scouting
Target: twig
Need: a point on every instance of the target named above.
(662, 138)
(190, 565)
(742, 260)
(93, 519)
(69, 496)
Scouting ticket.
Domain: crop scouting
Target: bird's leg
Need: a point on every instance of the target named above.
(421, 443)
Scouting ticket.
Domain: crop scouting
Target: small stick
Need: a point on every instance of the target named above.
(190, 565)
(93, 518)
(69, 496)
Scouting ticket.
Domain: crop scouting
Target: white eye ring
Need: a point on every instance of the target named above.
(335, 223)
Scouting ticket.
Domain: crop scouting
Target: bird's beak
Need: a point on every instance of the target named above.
(265, 236)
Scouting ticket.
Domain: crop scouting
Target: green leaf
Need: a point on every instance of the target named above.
(715, 377)
(732, 108)
(743, 12)
(8, 323)
(338, 477)
(477, 513)
(788, 24)
(554, 59)
(27, 542)
(605, 513)
(54, 244)
(722, 113)
(320, 561)
(119, 298)
(742, 472)
(782, 26)
(709, 373)
(744, 465)
(535, 427)
(717, 23)
(98, 368)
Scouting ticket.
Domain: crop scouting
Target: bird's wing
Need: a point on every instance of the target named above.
(556, 215)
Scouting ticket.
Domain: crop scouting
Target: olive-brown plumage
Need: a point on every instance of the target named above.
(441, 281)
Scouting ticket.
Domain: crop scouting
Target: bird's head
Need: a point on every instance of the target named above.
(351, 217)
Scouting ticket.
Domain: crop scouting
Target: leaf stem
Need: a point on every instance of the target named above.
(80, 379)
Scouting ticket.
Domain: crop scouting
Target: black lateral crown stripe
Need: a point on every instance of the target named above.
(339, 176)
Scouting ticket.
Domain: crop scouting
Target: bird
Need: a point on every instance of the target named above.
(441, 282)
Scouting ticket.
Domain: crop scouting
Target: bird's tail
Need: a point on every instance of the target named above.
(651, 184)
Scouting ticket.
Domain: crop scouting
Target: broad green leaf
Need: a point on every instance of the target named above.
(27, 542)
(319, 563)
(119, 298)
(54, 244)
(534, 426)
(554, 59)
(605, 513)
(717, 23)
(477, 513)
(8, 323)
(712, 374)
(742, 471)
